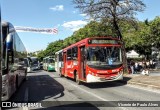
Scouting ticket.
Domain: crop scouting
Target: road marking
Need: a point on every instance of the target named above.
(149, 88)
(26, 95)
(96, 96)
(25, 99)
(52, 75)
(144, 84)
(90, 93)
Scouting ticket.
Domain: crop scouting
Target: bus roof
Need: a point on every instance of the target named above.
(49, 57)
(59, 51)
(83, 41)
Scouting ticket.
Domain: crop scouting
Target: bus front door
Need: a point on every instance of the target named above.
(65, 64)
(82, 65)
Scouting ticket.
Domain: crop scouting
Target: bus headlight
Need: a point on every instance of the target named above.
(91, 73)
(75, 63)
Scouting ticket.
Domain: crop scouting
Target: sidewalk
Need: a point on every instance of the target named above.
(143, 80)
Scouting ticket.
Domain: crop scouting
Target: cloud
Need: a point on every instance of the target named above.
(84, 15)
(74, 25)
(74, 12)
(57, 8)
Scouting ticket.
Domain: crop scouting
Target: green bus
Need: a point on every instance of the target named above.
(49, 63)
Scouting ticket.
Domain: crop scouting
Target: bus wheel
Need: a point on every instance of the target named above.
(77, 79)
(60, 74)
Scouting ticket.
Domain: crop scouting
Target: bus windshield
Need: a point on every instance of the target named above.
(50, 61)
(104, 55)
(34, 61)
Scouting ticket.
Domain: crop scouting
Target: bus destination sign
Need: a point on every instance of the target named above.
(105, 41)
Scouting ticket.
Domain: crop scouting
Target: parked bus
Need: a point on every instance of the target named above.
(49, 63)
(14, 69)
(34, 63)
(93, 60)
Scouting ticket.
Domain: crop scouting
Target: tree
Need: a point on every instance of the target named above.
(41, 55)
(155, 32)
(111, 10)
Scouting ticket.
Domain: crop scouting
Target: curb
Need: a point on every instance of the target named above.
(141, 84)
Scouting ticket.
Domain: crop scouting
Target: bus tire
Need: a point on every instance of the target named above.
(77, 79)
(60, 74)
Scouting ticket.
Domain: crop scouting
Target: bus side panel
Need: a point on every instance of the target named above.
(64, 70)
(71, 69)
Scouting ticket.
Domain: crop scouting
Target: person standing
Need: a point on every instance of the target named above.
(136, 67)
(132, 66)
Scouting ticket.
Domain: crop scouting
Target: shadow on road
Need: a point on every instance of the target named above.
(108, 84)
(38, 88)
(36, 71)
(43, 88)
(104, 84)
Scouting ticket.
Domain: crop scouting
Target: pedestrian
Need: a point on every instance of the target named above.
(136, 67)
(147, 65)
(132, 66)
(151, 64)
(145, 72)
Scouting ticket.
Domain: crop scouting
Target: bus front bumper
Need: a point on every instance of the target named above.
(51, 68)
(92, 79)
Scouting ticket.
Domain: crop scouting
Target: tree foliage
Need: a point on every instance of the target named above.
(141, 39)
(113, 11)
(155, 32)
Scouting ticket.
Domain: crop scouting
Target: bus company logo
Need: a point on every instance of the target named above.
(102, 71)
(69, 66)
(6, 104)
(116, 70)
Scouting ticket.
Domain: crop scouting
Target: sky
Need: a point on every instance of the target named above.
(60, 14)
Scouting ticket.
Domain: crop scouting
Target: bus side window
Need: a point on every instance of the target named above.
(74, 53)
(60, 57)
(69, 54)
(10, 57)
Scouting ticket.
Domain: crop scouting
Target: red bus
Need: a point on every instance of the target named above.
(97, 59)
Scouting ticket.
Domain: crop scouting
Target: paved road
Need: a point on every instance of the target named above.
(56, 92)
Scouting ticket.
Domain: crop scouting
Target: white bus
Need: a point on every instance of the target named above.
(49, 63)
(35, 63)
(14, 69)
(58, 60)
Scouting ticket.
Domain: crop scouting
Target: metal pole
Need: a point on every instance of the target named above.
(0, 57)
